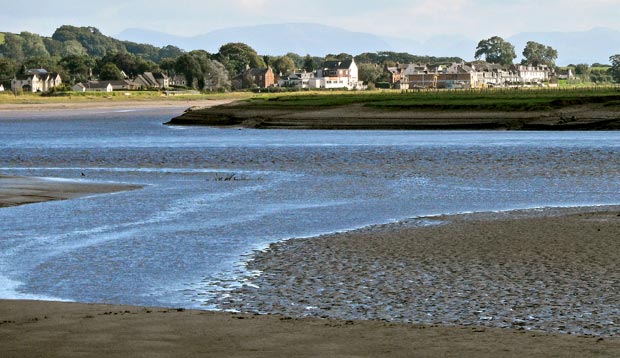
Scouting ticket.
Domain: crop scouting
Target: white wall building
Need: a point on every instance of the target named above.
(38, 80)
(533, 74)
(337, 75)
(297, 80)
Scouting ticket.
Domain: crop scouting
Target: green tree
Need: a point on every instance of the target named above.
(614, 70)
(13, 47)
(309, 63)
(298, 60)
(339, 57)
(236, 56)
(33, 45)
(170, 52)
(8, 69)
(370, 73)
(284, 65)
(496, 50)
(216, 76)
(78, 67)
(72, 47)
(110, 72)
(188, 66)
(536, 54)
(582, 69)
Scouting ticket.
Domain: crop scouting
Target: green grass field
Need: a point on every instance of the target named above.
(501, 100)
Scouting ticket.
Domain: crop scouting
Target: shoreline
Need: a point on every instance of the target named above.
(299, 275)
(360, 117)
(16, 190)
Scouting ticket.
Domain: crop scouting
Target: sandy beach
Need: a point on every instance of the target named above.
(27, 190)
(102, 104)
(548, 277)
(49, 329)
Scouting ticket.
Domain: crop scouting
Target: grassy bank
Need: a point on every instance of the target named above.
(494, 99)
(594, 108)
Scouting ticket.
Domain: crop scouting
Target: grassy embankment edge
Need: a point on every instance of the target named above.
(577, 108)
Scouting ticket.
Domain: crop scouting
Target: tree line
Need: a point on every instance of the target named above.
(80, 53)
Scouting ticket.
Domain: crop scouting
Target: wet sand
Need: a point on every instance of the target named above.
(16, 191)
(48, 329)
(549, 277)
(553, 270)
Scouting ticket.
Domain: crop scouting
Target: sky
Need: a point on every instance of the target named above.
(420, 19)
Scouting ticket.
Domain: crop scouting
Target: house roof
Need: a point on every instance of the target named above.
(37, 71)
(258, 71)
(121, 83)
(338, 65)
(97, 84)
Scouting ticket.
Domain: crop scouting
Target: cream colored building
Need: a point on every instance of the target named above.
(36, 81)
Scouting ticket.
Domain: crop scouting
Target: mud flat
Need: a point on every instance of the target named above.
(27, 190)
(551, 271)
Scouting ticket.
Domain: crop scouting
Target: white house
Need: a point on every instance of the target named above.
(153, 80)
(93, 86)
(38, 80)
(337, 75)
(533, 74)
(1, 88)
(296, 79)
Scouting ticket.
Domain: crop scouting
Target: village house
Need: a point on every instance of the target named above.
(93, 86)
(37, 80)
(296, 80)
(259, 77)
(532, 74)
(153, 80)
(124, 85)
(337, 75)
(396, 73)
(478, 74)
(178, 80)
(565, 74)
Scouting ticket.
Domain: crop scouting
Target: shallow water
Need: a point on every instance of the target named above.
(214, 195)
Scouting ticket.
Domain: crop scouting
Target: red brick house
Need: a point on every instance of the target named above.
(261, 77)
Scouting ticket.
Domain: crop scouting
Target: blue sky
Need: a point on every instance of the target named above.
(401, 18)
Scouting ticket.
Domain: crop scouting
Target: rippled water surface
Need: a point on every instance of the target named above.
(212, 196)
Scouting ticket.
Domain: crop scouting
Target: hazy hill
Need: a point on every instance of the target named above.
(270, 39)
(591, 46)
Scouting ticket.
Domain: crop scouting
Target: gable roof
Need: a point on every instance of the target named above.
(98, 84)
(338, 65)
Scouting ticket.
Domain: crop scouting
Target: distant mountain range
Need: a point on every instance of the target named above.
(591, 46)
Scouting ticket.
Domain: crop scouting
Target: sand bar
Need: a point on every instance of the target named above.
(16, 191)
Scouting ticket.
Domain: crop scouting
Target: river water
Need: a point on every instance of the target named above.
(212, 196)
